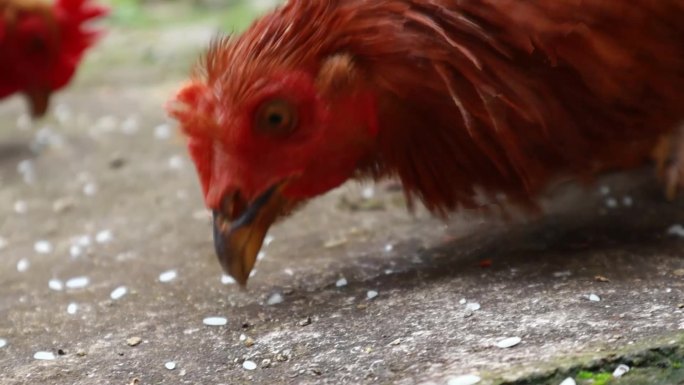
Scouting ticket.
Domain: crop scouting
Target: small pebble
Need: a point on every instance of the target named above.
(462, 301)
(227, 279)
(371, 294)
(605, 190)
(3, 342)
(473, 306)
(621, 370)
(677, 230)
(568, 381)
(342, 282)
(82, 240)
(267, 240)
(305, 322)
(249, 365)
(44, 356)
(168, 276)
(118, 292)
(202, 215)
(42, 247)
(627, 201)
(56, 284)
(133, 341)
(77, 283)
(266, 363)
(389, 247)
(105, 123)
(20, 207)
(104, 236)
(215, 321)
(3, 243)
(284, 356)
(24, 122)
(62, 204)
(275, 299)
(333, 243)
(508, 342)
(62, 113)
(170, 365)
(594, 298)
(75, 251)
(130, 125)
(260, 255)
(468, 379)
(288, 271)
(561, 274)
(368, 192)
(25, 168)
(248, 342)
(90, 189)
(117, 162)
(45, 137)
(611, 203)
(23, 265)
(162, 131)
(72, 308)
(176, 162)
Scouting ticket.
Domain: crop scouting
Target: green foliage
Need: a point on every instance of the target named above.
(601, 378)
(230, 15)
(126, 11)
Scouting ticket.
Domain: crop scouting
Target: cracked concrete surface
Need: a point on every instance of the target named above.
(107, 162)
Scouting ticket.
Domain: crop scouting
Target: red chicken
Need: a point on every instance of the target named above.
(41, 45)
(449, 96)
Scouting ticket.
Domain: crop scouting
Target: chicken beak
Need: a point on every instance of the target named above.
(39, 99)
(238, 241)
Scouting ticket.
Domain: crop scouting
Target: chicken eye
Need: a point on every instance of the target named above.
(276, 117)
(37, 44)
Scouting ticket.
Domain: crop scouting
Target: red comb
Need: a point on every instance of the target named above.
(81, 10)
(72, 14)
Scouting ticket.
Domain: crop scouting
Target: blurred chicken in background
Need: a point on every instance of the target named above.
(41, 46)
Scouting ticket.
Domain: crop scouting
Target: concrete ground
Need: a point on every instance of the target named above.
(352, 290)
